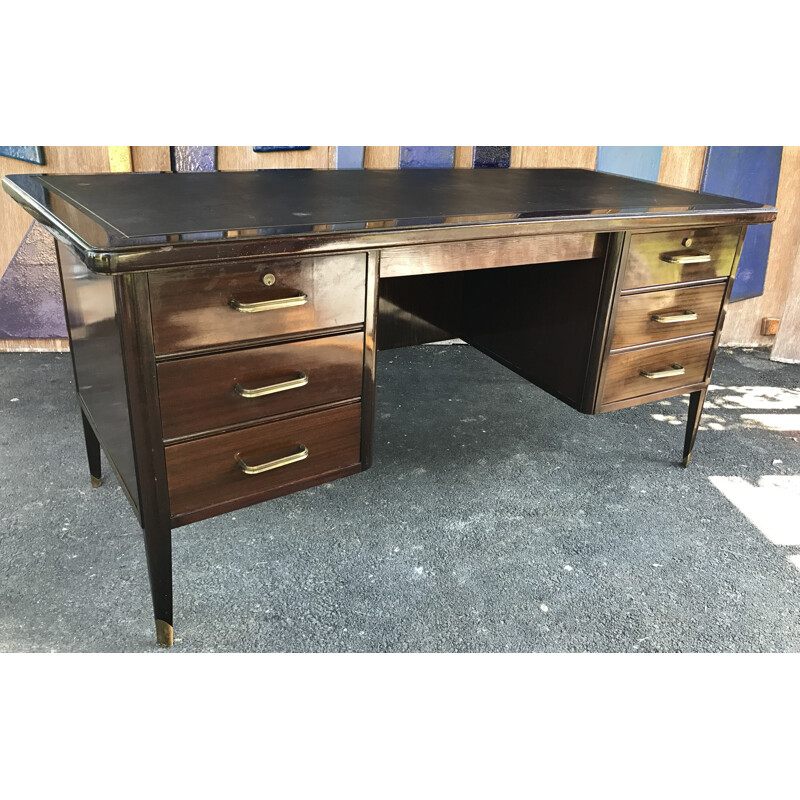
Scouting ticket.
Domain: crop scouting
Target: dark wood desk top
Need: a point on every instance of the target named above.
(123, 222)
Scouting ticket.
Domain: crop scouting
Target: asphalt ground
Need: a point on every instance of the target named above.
(495, 519)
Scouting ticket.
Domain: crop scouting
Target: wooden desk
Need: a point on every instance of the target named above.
(224, 326)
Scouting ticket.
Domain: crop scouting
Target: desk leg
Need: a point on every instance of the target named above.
(158, 545)
(696, 400)
(92, 451)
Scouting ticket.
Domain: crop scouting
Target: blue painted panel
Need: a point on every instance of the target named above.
(483, 157)
(35, 155)
(280, 148)
(425, 157)
(194, 159)
(635, 162)
(746, 173)
(350, 157)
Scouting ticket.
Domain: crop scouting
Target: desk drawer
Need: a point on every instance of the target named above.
(207, 474)
(669, 366)
(656, 316)
(680, 256)
(199, 307)
(214, 391)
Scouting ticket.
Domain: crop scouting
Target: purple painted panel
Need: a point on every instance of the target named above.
(483, 157)
(424, 157)
(194, 159)
(30, 291)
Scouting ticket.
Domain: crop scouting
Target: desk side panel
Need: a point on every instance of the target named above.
(94, 330)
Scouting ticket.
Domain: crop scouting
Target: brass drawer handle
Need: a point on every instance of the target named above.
(677, 369)
(278, 462)
(685, 257)
(686, 316)
(270, 305)
(294, 383)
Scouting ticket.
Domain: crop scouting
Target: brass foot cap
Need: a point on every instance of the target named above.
(687, 460)
(96, 482)
(164, 633)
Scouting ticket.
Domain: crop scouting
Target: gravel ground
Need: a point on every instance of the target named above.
(495, 519)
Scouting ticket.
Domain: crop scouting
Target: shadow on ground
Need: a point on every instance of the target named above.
(494, 519)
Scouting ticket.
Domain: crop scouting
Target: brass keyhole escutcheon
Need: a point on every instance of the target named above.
(687, 242)
(268, 279)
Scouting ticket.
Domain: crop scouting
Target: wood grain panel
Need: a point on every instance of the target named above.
(463, 157)
(244, 158)
(787, 343)
(204, 474)
(635, 324)
(552, 157)
(198, 394)
(382, 157)
(623, 373)
(151, 159)
(34, 345)
(646, 267)
(682, 166)
(488, 253)
(785, 260)
(743, 322)
(191, 306)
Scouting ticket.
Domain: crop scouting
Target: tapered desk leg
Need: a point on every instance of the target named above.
(92, 451)
(158, 544)
(696, 400)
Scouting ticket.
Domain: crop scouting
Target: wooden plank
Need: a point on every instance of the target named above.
(151, 159)
(382, 157)
(34, 345)
(244, 158)
(747, 173)
(743, 322)
(635, 162)
(784, 258)
(682, 166)
(463, 159)
(552, 157)
(787, 342)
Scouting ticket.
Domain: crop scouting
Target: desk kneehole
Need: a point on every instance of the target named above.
(651, 370)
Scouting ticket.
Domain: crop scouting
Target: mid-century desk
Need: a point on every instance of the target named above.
(224, 326)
